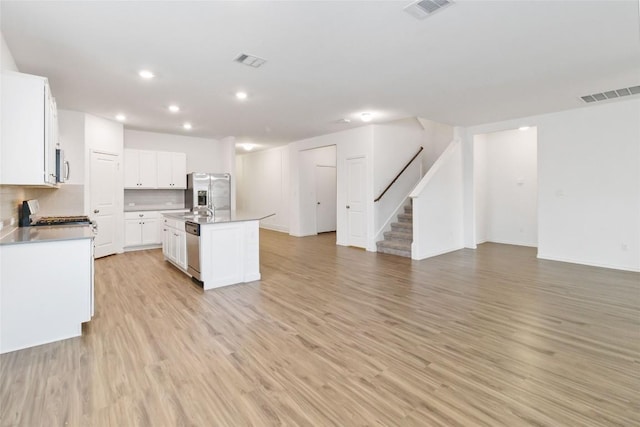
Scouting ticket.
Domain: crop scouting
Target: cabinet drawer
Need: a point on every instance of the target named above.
(173, 223)
(145, 215)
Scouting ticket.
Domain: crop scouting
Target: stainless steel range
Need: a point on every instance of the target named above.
(31, 207)
(61, 220)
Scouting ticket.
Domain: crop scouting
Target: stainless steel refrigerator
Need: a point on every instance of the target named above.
(208, 190)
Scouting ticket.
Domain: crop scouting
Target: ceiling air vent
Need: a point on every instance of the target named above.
(251, 61)
(423, 8)
(618, 93)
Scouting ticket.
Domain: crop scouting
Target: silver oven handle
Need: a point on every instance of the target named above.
(66, 177)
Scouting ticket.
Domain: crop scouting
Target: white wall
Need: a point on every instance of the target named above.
(263, 186)
(10, 196)
(394, 144)
(6, 57)
(437, 137)
(506, 186)
(588, 183)
(438, 206)
(71, 128)
(480, 188)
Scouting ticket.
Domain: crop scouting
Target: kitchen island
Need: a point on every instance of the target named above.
(219, 250)
(46, 284)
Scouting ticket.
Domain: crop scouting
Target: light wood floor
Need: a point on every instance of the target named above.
(338, 336)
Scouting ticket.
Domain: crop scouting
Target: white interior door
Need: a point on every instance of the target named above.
(356, 205)
(325, 198)
(104, 176)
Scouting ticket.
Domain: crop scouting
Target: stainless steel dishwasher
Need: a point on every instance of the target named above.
(193, 249)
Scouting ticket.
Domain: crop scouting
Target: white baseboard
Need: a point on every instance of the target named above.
(280, 228)
(141, 248)
(506, 242)
(251, 277)
(436, 253)
(589, 263)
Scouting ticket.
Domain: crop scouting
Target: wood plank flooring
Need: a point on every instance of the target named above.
(335, 336)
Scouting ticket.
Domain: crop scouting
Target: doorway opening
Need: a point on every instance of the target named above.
(318, 190)
(506, 187)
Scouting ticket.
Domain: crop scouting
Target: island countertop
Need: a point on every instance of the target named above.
(219, 218)
(47, 233)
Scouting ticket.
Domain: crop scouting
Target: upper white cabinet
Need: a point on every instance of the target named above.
(29, 131)
(155, 169)
(172, 170)
(140, 169)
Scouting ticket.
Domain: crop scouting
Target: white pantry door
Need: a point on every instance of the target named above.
(325, 198)
(104, 178)
(356, 204)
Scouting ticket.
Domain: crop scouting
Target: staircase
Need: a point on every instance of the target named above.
(398, 240)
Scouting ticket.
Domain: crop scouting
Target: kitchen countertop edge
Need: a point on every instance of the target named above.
(21, 235)
(222, 219)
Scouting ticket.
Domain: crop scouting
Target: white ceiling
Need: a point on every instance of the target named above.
(472, 63)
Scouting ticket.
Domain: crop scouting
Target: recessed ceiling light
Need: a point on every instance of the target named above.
(247, 146)
(187, 125)
(366, 117)
(241, 95)
(345, 120)
(174, 108)
(121, 117)
(523, 128)
(146, 74)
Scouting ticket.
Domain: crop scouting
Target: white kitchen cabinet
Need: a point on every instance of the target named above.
(141, 229)
(140, 169)
(174, 243)
(172, 170)
(47, 291)
(29, 131)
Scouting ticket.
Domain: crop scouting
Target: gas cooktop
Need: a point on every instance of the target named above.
(62, 220)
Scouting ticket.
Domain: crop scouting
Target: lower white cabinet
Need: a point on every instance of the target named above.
(47, 291)
(145, 229)
(141, 229)
(174, 242)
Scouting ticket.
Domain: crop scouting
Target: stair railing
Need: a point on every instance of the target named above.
(399, 173)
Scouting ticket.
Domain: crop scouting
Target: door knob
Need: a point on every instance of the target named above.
(96, 211)
(318, 202)
(348, 207)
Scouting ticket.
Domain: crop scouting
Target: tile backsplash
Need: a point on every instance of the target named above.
(153, 199)
(10, 198)
(66, 200)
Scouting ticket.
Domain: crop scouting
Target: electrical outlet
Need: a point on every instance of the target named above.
(12, 221)
(624, 247)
